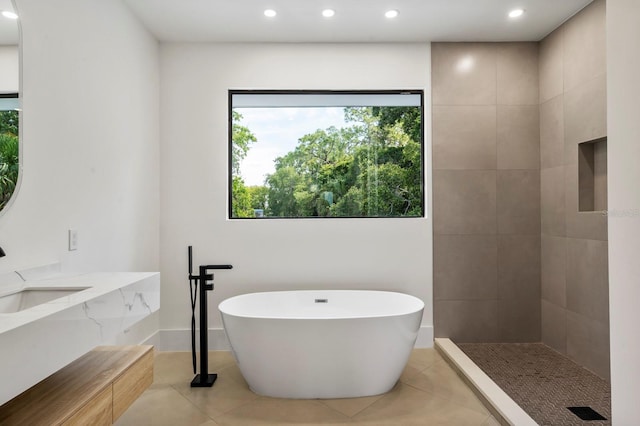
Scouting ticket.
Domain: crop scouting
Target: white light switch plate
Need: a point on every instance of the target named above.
(73, 240)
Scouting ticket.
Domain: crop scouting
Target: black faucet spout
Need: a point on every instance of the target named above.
(217, 266)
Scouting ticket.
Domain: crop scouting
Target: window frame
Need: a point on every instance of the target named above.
(423, 166)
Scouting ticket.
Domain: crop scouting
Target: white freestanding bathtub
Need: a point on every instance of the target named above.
(322, 344)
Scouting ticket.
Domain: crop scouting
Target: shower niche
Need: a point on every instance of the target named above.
(592, 175)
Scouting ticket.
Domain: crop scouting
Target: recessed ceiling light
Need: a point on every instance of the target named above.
(328, 13)
(8, 14)
(516, 13)
(391, 14)
(270, 13)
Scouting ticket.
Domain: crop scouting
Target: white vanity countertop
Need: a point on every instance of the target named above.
(99, 283)
(41, 339)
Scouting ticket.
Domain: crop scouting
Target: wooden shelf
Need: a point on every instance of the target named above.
(94, 389)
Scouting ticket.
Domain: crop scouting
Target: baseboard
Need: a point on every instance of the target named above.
(425, 337)
(179, 340)
(153, 339)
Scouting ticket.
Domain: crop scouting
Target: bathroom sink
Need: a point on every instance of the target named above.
(30, 297)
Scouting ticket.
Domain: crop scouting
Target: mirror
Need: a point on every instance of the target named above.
(9, 102)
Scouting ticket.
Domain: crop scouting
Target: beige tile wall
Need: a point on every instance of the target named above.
(574, 270)
(486, 191)
(514, 259)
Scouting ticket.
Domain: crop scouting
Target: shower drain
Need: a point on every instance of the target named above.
(586, 413)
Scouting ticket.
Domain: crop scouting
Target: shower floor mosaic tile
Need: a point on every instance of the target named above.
(543, 382)
(429, 392)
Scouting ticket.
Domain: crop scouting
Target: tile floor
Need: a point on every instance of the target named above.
(429, 392)
(542, 381)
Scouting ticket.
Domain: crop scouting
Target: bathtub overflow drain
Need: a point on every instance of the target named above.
(322, 300)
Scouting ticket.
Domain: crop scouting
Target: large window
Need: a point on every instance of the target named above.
(299, 154)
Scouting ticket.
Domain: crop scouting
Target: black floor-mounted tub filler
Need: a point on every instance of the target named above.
(205, 283)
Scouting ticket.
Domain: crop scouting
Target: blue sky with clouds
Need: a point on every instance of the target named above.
(278, 131)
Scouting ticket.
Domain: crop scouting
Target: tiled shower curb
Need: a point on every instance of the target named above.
(503, 408)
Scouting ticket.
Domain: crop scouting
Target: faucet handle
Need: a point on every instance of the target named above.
(207, 281)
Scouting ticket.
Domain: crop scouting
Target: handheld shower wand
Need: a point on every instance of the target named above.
(193, 290)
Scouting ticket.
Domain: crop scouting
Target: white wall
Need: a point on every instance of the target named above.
(9, 69)
(90, 140)
(623, 145)
(386, 254)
